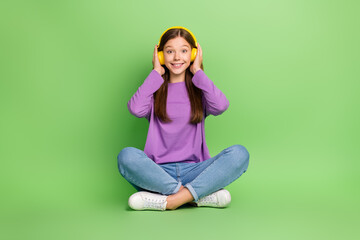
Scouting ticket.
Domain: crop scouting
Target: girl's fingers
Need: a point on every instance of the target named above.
(199, 52)
(155, 54)
(156, 51)
(199, 49)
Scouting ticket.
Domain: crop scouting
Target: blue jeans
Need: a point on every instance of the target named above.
(200, 179)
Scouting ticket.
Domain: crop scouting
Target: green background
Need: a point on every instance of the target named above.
(290, 70)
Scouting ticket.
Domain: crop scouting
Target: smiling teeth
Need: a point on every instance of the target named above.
(177, 65)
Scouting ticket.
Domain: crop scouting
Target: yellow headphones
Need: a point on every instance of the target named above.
(193, 50)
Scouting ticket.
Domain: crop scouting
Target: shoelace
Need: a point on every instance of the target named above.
(210, 199)
(156, 203)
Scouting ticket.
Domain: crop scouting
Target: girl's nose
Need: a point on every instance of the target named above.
(176, 56)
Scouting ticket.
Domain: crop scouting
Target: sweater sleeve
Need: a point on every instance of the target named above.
(140, 103)
(215, 101)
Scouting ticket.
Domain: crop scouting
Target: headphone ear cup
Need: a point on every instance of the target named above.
(161, 57)
(193, 54)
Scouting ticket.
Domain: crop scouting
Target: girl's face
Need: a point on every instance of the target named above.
(177, 55)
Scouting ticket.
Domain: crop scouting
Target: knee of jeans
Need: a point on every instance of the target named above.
(241, 157)
(125, 158)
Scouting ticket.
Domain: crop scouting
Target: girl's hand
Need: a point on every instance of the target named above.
(156, 62)
(198, 60)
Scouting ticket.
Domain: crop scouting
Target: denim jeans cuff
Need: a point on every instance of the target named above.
(192, 191)
(177, 188)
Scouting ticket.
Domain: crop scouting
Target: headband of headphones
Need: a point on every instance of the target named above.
(180, 28)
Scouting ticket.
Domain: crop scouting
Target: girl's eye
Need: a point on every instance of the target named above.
(168, 51)
(184, 50)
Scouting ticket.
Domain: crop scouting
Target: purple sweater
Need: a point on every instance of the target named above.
(179, 140)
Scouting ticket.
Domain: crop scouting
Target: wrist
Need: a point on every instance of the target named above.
(158, 71)
(195, 70)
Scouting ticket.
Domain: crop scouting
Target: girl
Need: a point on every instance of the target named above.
(175, 167)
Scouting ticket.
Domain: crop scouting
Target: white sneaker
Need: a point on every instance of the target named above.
(221, 198)
(147, 201)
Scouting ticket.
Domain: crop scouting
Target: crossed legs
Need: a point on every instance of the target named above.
(221, 170)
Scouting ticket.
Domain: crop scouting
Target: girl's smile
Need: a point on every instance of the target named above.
(177, 65)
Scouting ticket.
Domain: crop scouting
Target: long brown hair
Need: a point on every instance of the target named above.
(194, 93)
